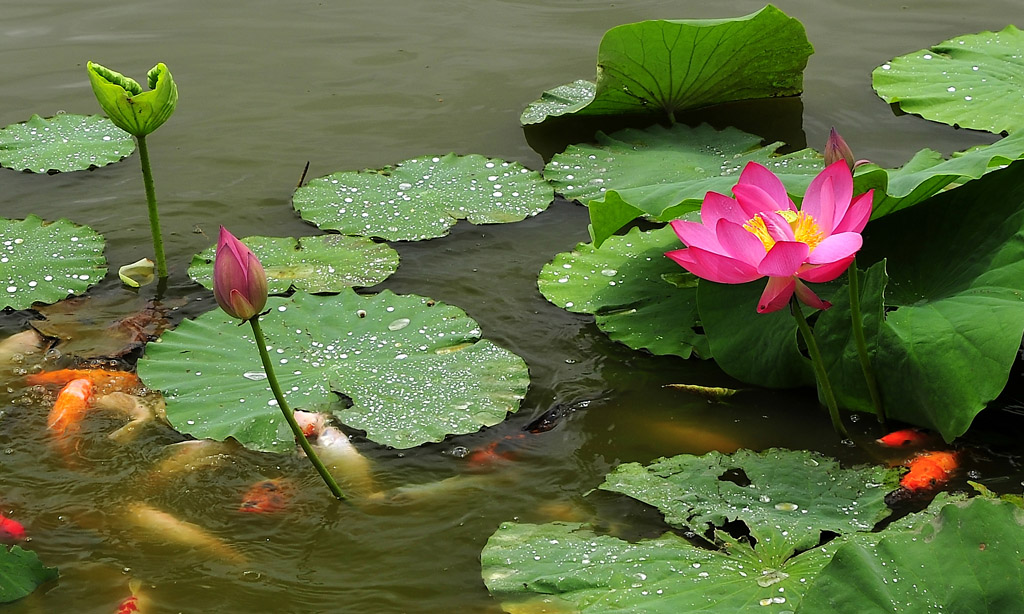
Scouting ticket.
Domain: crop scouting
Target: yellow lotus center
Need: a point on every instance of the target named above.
(805, 229)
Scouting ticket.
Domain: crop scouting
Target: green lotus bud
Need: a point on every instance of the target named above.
(132, 110)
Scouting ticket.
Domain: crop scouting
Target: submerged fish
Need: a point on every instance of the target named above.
(350, 468)
(136, 602)
(15, 348)
(195, 454)
(164, 527)
(929, 470)
(105, 380)
(72, 403)
(140, 412)
(494, 454)
(267, 496)
(309, 422)
(905, 437)
(11, 529)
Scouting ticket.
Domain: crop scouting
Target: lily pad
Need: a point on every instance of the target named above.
(21, 572)
(414, 370)
(325, 263)
(665, 172)
(786, 499)
(972, 81)
(966, 560)
(62, 143)
(665, 66)
(422, 198)
(563, 99)
(633, 290)
(44, 262)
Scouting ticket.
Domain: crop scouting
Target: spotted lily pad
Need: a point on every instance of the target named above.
(325, 263)
(414, 370)
(44, 262)
(665, 66)
(968, 559)
(972, 81)
(788, 500)
(422, 198)
(560, 100)
(21, 572)
(63, 143)
(633, 290)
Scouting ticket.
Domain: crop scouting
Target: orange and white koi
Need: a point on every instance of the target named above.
(309, 422)
(929, 470)
(104, 380)
(164, 527)
(350, 468)
(267, 496)
(136, 603)
(11, 529)
(72, 403)
(905, 437)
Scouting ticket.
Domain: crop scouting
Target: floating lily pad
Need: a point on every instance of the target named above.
(414, 370)
(21, 572)
(44, 262)
(63, 143)
(665, 66)
(563, 99)
(972, 81)
(664, 172)
(786, 499)
(966, 560)
(422, 198)
(325, 263)
(633, 290)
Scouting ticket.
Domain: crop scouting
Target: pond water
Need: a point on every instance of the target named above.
(269, 86)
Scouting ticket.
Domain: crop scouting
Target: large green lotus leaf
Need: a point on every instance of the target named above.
(563, 99)
(665, 66)
(422, 198)
(64, 142)
(664, 172)
(415, 370)
(785, 498)
(797, 493)
(564, 568)
(44, 262)
(966, 560)
(757, 348)
(325, 263)
(21, 572)
(632, 289)
(973, 81)
(954, 308)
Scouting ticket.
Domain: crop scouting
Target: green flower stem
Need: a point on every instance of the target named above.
(287, 411)
(862, 346)
(154, 217)
(819, 367)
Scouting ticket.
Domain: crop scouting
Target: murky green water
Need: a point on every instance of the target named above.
(267, 86)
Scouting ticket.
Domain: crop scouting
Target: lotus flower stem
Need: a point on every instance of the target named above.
(154, 216)
(289, 417)
(820, 374)
(862, 346)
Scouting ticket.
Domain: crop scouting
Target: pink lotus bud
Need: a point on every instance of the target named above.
(239, 281)
(836, 149)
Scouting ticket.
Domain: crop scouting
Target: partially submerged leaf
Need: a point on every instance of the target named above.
(414, 370)
(665, 66)
(968, 81)
(422, 198)
(632, 289)
(712, 394)
(63, 143)
(21, 572)
(561, 100)
(325, 263)
(44, 262)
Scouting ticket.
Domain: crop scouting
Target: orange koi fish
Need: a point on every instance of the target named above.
(134, 603)
(267, 496)
(72, 403)
(493, 454)
(905, 437)
(11, 529)
(929, 470)
(103, 379)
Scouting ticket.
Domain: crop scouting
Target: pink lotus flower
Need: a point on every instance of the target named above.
(761, 233)
(239, 281)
